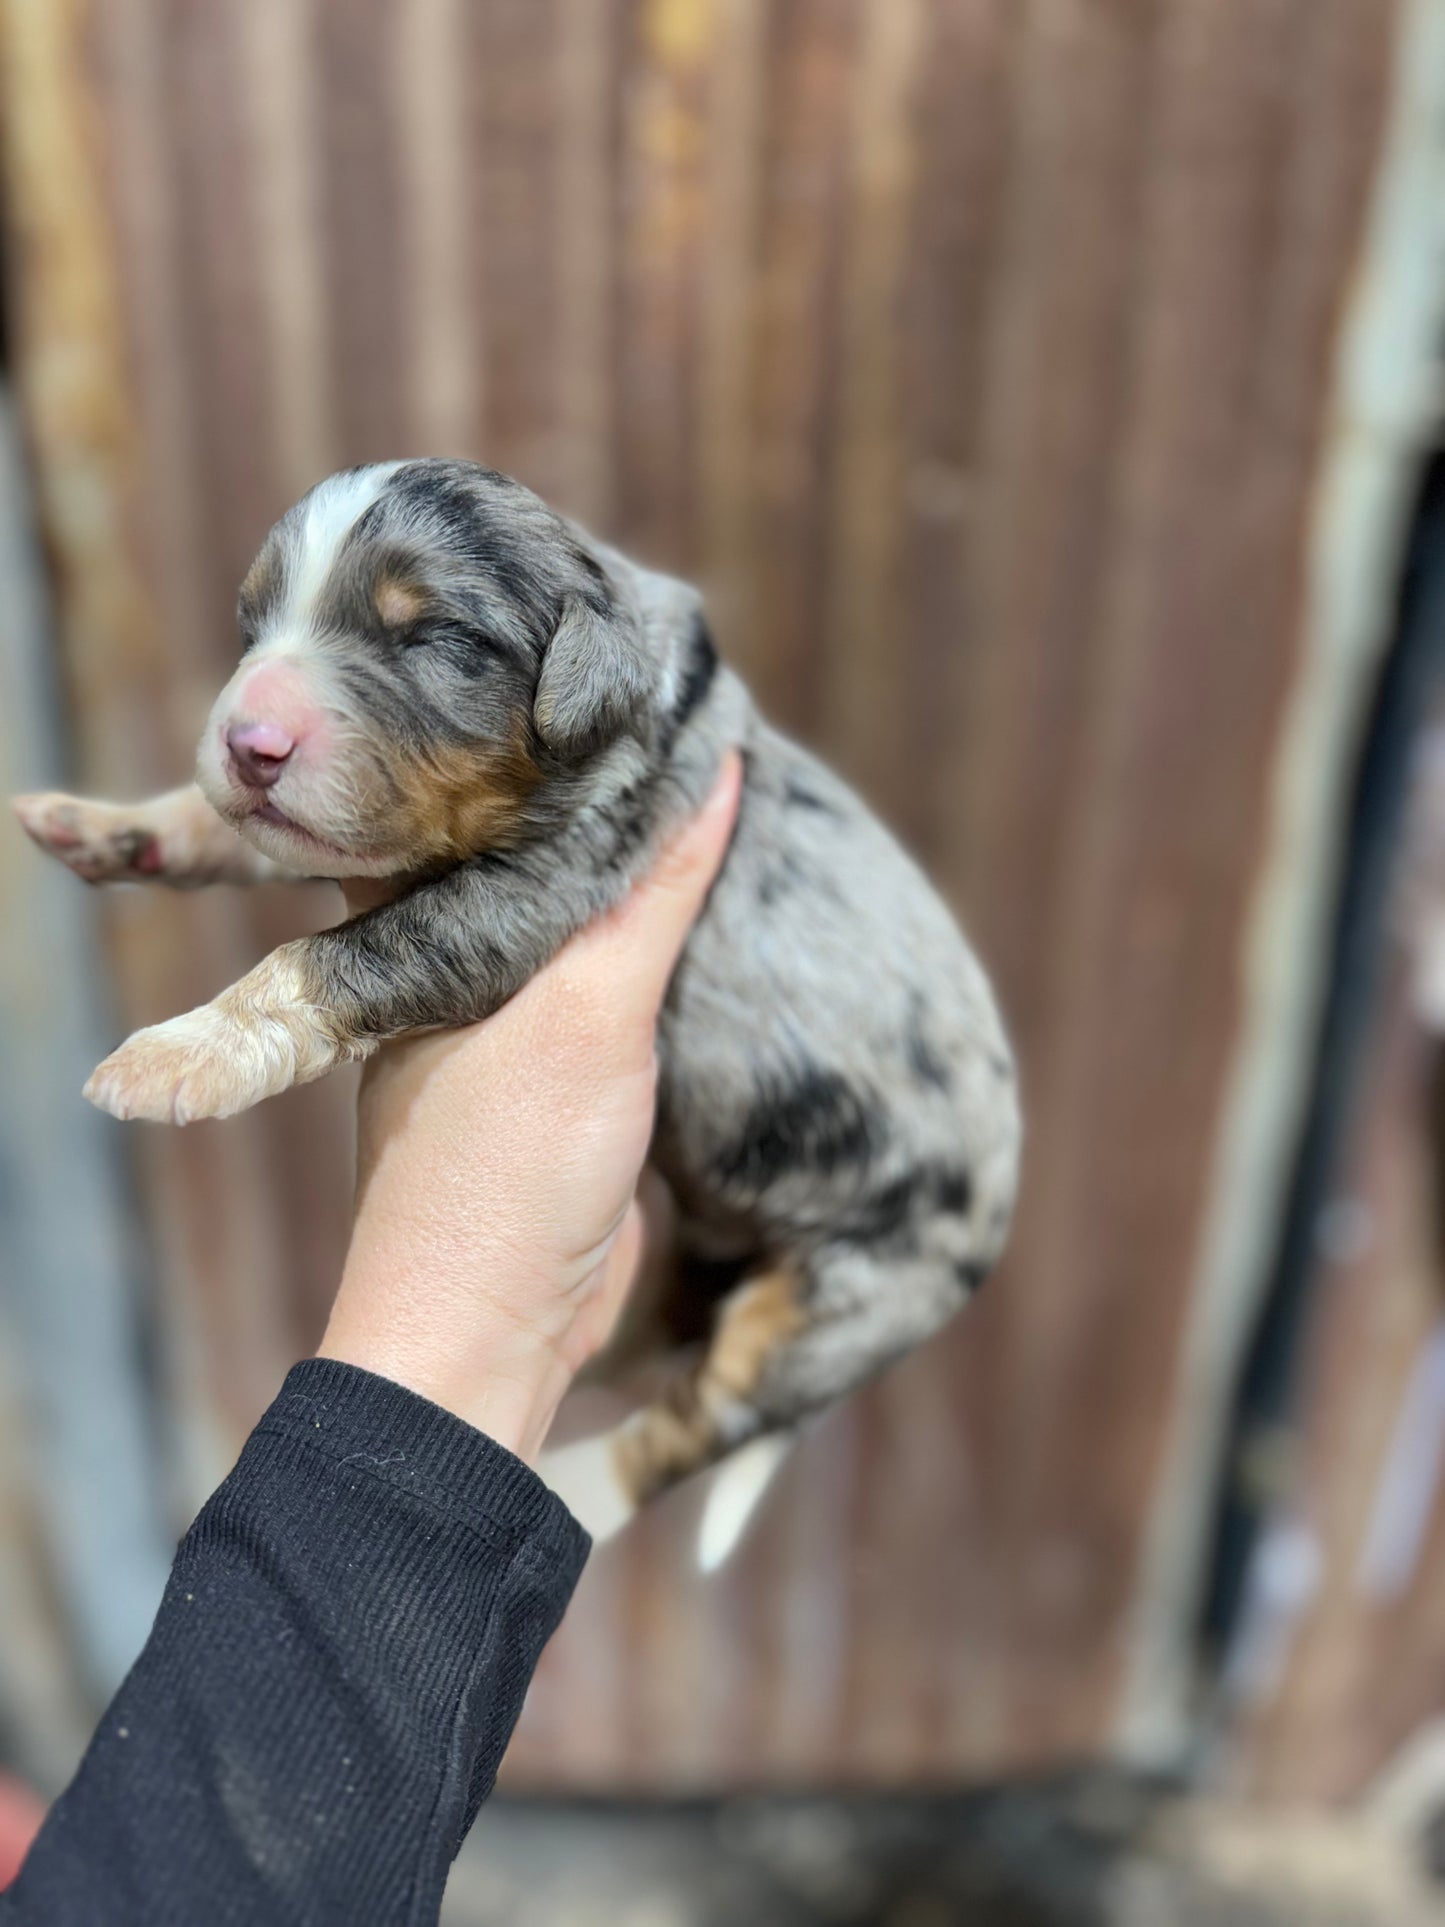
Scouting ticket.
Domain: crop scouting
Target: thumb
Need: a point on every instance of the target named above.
(650, 927)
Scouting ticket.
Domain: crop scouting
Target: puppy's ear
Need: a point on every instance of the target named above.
(597, 678)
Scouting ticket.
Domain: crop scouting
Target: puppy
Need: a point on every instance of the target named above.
(445, 682)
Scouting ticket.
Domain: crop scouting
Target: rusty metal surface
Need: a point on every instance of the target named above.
(975, 354)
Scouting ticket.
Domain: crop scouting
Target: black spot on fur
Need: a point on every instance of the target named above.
(703, 1283)
(802, 798)
(970, 1273)
(745, 794)
(589, 566)
(922, 1193)
(512, 578)
(785, 878)
(952, 1190)
(881, 1218)
(927, 1066)
(815, 1121)
(453, 489)
(699, 671)
(632, 818)
(369, 524)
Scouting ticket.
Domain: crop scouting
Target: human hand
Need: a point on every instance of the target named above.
(496, 1229)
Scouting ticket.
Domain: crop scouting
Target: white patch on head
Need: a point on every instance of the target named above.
(332, 510)
(320, 789)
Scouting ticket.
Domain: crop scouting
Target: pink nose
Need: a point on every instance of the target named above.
(259, 752)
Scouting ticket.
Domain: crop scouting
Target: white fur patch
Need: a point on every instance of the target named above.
(332, 509)
(320, 789)
(257, 1039)
(734, 1496)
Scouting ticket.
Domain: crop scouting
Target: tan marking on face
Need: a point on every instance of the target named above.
(686, 1429)
(397, 602)
(456, 802)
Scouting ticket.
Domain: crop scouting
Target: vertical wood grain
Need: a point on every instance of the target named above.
(976, 354)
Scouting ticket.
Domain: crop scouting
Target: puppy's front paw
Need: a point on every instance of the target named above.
(199, 1065)
(101, 842)
(259, 1038)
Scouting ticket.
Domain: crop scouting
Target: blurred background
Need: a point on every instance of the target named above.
(1048, 395)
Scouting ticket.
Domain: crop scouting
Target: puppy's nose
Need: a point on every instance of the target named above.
(259, 752)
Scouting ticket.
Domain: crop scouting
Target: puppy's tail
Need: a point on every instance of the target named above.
(735, 1495)
(584, 1477)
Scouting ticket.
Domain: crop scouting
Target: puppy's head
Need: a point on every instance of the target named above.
(432, 655)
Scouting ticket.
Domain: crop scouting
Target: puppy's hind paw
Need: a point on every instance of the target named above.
(101, 842)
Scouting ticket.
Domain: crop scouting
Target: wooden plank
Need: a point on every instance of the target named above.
(1379, 423)
(978, 354)
(803, 169)
(1364, 1651)
(85, 1545)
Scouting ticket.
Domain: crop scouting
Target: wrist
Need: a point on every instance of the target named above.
(502, 1382)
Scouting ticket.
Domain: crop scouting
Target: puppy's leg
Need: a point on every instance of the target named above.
(176, 839)
(706, 1412)
(256, 1039)
(786, 1344)
(433, 957)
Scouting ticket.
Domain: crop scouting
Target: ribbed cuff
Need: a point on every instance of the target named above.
(386, 1431)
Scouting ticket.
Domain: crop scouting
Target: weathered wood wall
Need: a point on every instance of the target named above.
(975, 353)
(1361, 1658)
(1340, 1662)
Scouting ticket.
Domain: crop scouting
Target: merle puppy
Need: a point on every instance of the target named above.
(446, 682)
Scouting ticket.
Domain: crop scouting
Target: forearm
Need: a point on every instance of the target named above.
(341, 1656)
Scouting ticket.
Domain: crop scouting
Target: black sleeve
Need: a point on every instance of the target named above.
(337, 1665)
